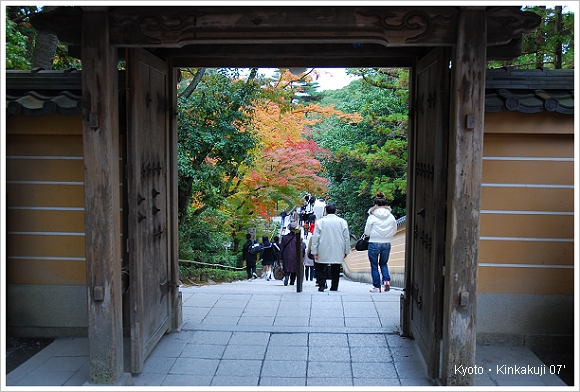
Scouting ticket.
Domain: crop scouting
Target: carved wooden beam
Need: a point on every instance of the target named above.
(505, 24)
(179, 26)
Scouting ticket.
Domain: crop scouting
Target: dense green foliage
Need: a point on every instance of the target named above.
(20, 36)
(192, 274)
(214, 140)
(21, 40)
(16, 47)
(215, 143)
(550, 46)
(201, 239)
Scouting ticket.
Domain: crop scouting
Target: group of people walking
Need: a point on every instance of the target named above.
(325, 245)
(269, 255)
(272, 253)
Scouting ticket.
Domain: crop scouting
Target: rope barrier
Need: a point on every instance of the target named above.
(213, 265)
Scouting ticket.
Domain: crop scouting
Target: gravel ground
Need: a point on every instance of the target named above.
(19, 350)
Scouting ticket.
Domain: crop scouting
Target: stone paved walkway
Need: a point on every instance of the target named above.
(262, 333)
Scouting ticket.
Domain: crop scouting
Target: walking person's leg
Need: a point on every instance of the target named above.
(383, 264)
(373, 254)
(254, 274)
(249, 269)
(320, 272)
(335, 276)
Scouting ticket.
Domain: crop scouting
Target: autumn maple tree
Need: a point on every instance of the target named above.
(286, 160)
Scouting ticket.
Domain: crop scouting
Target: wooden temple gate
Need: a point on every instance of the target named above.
(446, 48)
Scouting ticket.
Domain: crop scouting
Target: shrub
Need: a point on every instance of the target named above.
(191, 274)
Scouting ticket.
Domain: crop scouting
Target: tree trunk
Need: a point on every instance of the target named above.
(183, 198)
(193, 85)
(557, 30)
(540, 48)
(44, 48)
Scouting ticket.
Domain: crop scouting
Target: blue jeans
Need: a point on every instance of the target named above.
(379, 257)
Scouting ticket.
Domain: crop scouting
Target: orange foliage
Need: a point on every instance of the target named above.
(286, 161)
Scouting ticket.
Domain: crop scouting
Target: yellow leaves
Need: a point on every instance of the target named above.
(327, 111)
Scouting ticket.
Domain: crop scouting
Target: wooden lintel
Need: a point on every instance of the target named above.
(179, 26)
(391, 26)
(310, 55)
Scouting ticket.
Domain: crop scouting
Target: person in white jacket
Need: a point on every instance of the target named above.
(330, 245)
(381, 227)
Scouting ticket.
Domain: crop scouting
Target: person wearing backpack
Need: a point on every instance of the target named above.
(267, 257)
(249, 257)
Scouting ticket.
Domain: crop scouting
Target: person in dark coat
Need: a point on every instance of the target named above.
(288, 257)
(249, 258)
(267, 257)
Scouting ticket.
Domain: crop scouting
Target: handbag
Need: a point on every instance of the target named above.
(279, 272)
(362, 243)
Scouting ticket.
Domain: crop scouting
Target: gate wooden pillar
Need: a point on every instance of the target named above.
(102, 200)
(173, 225)
(464, 193)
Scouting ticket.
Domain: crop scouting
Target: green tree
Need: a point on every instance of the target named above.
(214, 138)
(550, 46)
(26, 48)
(215, 143)
(16, 48)
(20, 37)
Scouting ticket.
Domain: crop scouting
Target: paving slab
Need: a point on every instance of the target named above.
(262, 333)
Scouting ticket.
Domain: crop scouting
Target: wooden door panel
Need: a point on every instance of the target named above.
(147, 137)
(429, 168)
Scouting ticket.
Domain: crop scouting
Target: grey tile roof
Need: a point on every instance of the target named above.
(529, 91)
(35, 104)
(38, 92)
